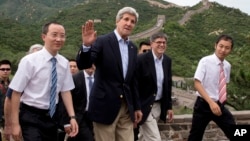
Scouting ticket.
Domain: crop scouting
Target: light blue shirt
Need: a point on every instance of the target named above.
(123, 46)
(87, 86)
(159, 76)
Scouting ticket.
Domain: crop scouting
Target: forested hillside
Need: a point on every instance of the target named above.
(187, 43)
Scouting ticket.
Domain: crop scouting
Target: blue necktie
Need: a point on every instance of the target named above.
(52, 106)
(90, 83)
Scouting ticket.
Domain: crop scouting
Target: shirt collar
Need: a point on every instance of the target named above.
(155, 57)
(119, 38)
(217, 60)
(47, 55)
(87, 75)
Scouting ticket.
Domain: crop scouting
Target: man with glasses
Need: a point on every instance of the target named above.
(40, 77)
(5, 71)
(153, 72)
(144, 47)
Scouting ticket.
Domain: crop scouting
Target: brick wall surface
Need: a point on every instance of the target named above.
(179, 129)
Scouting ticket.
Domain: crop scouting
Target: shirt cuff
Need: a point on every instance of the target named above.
(66, 125)
(85, 48)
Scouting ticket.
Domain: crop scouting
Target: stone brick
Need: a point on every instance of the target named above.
(179, 129)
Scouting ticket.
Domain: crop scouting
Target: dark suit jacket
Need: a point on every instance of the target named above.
(110, 88)
(147, 84)
(79, 98)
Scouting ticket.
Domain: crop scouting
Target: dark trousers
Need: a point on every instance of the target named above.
(36, 124)
(136, 132)
(202, 115)
(60, 135)
(85, 130)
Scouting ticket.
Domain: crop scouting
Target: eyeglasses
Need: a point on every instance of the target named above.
(54, 35)
(160, 42)
(145, 50)
(5, 69)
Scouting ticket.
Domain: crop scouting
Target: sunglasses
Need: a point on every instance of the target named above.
(5, 69)
(145, 50)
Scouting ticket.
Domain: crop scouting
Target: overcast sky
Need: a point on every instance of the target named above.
(243, 5)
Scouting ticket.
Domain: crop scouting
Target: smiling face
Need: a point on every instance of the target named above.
(125, 25)
(54, 38)
(223, 48)
(159, 46)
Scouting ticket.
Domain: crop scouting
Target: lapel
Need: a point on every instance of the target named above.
(165, 67)
(82, 76)
(130, 59)
(151, 65)
(81, 81)
(115, 48)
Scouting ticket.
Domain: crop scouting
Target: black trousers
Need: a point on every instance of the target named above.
(60, 135)
(202, 115)
(36, 124)
(136, 132)
(85, 130)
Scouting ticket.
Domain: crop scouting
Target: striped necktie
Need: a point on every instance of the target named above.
(90, 83)
(222, 85)
(52, 106)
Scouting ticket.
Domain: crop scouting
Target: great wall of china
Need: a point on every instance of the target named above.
(179, 129)
(161, 19)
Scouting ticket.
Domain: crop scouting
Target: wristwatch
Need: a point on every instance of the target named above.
(72, 117)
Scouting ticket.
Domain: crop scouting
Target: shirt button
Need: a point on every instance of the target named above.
(121, 96)
(151, 106)
(154, 94)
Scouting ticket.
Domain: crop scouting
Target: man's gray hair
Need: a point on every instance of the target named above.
(35, 46)
(158, 35)
(127, 10)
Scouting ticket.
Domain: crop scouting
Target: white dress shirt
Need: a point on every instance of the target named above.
(208, 73)
(33, 78)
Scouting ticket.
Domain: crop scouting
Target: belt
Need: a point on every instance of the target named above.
(34, 109)
(203, 100)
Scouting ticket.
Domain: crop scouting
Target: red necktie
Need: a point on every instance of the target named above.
(222, 85)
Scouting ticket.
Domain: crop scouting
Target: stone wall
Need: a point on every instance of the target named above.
(179, 129)
(147, 33)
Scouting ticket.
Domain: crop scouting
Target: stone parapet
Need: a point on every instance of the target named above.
(179, 129)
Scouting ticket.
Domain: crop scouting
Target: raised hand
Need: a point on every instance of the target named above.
(88, 33)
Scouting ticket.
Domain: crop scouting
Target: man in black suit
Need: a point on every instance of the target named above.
(114, 102)
(80, 96)
(154, 77)
(80, 100)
